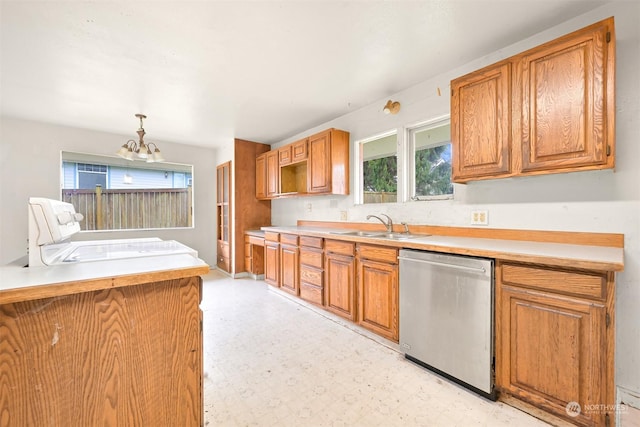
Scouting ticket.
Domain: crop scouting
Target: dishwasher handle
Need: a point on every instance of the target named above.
(444, 264)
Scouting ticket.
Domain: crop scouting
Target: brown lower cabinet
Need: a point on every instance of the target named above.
(378, 290)
(555, 340)
(340, 286)
(554, 326)
(289, 255)
(272, 258)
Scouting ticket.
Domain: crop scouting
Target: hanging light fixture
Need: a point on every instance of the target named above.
(133, 150)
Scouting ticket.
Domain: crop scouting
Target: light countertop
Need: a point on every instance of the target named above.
(19, 283)
(602, 258)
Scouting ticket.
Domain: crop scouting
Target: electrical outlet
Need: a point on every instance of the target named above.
(480, 217)
(343, 215)
(309, 207)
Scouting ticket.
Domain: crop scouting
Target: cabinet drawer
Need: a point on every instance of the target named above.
(223, 249)
(311, 293)
(254, 240)
(590, 285)
(339, 247)
(311, 257)
(378, 253)
(289, 239)
(271, 236)
(311, 275)
(312, 242)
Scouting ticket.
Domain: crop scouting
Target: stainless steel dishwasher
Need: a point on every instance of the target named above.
(446, 316)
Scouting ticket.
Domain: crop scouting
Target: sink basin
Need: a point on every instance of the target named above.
(357, 233)
(380, 235)
(398, 236)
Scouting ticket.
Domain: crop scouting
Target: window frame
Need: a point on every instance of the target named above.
(74, 157)
(405, 155)
(359, 165)
(410, 151)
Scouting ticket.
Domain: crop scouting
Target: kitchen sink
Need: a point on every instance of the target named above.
(398, 236)
(357, 233)
(379, 235)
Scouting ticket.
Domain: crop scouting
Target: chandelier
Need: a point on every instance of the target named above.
(133, 150)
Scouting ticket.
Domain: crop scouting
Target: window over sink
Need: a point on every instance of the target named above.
(378, 161)
(412, 163)
(431, 161)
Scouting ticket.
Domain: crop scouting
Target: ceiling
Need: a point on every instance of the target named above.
(208, 71)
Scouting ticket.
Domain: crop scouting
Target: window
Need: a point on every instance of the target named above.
(379, 169)
(118, 194)
(90, 175)
(431, 161)
(412, 165)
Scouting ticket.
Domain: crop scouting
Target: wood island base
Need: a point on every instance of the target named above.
(129, 355)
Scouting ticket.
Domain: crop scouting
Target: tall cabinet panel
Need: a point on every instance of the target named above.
(249, 213)
(223, 207)
(238, 208)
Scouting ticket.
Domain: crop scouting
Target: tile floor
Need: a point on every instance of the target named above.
(271, 361)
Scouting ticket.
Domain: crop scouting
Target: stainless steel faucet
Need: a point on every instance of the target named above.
(388, 223)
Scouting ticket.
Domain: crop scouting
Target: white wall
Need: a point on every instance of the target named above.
(600, 201)
(30, 166)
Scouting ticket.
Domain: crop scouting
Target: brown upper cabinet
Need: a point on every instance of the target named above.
(261, 176)
(299, 150)
(550, 109)
(272, 171)
(315, 165)
(284, 155)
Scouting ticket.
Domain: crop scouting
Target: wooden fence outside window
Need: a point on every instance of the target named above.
(380, 197)
(132, 209)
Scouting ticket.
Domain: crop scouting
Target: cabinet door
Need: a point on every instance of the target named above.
(319, 168)
(378, 297)
(273, 173)
(289, 269)
(284, 155)
(566, 112)
(272, 263)
(223, 210)
(552, 351)
(261, 177)
(481, 123)
(224, 261)
(299, 151)
(340, 285)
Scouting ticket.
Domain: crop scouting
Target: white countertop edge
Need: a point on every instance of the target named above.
(15, 275)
